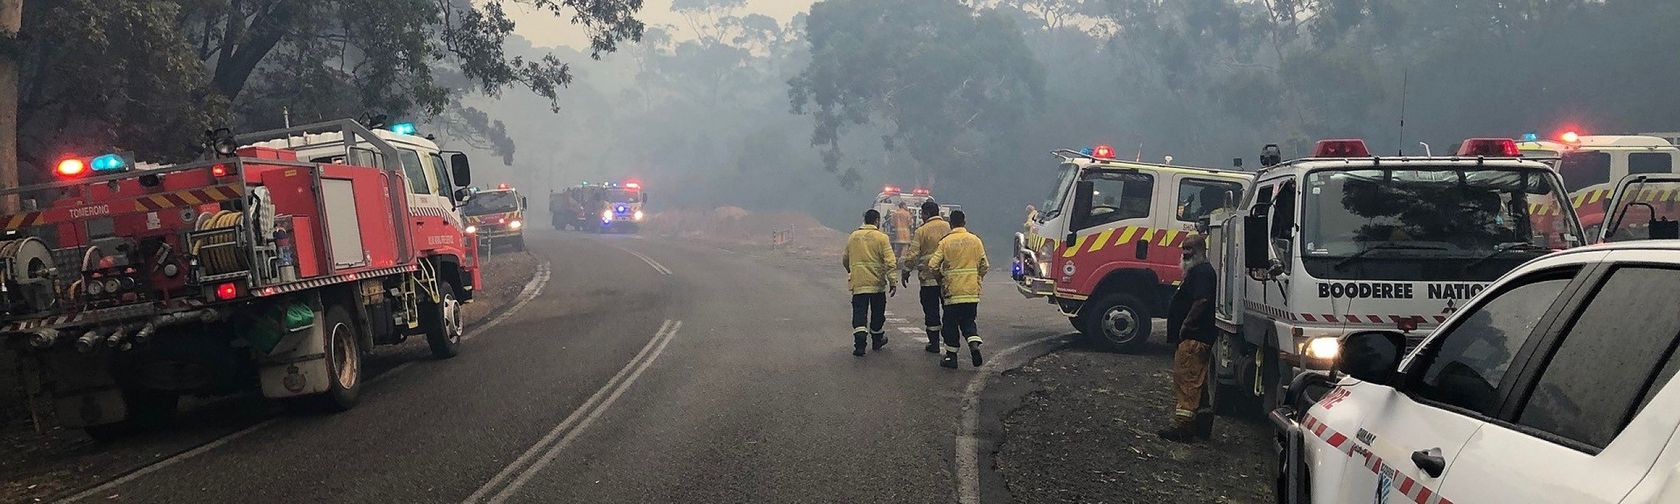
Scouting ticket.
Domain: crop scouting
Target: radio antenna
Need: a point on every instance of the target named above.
(1405, 78)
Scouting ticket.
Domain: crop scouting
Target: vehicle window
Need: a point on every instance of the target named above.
(1586, 168)
(1283, 217)
(1119, 196)
(1587, 389)
(415, 172)
(441, 171)
(1199, 197)
(1052, 206)
(1649, 162)
(1464, 366)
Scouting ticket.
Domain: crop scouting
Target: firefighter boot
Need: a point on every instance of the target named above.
(950, 360)
(859, 341)
(1183, 430)
(933, 342)
(974, 353)
(1203, 424)
(879, 339)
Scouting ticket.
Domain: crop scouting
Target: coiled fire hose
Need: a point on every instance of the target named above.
(218, 259)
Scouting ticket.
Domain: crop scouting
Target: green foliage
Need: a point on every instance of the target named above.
(950, 84)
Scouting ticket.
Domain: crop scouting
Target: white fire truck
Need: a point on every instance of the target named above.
(1344, 241)
(1591, 164)
(277, 265)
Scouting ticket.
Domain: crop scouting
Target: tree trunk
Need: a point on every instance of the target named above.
(235, 65)
(11, 21)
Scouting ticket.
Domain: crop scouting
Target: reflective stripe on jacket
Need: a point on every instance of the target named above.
(868, 260)
(961, 263)
(922, 247)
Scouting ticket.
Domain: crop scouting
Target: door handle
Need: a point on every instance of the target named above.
(1430, 461)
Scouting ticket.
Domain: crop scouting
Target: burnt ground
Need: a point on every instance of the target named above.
(38, 464)
(1079, 426)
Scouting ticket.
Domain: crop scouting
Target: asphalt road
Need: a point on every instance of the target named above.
(646, 370)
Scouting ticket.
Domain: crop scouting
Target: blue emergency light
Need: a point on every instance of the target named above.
(109, 163)
(403, 128)
(1530, 137)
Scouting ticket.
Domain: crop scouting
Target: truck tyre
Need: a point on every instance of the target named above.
(519, 243)
(1271, 378)
(442, 321)
(147, 409)
(344, 362)
(1226, 399)
(1117, 321)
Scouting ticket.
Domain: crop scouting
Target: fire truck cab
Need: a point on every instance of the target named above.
(1591, 165)
(497, 216)
(1344, 241)
(1103, 246)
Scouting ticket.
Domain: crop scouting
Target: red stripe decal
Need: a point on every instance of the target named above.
(1423, 496)
(1406, 485)
(1336, 439)
(1374, 319)
(1309, 317)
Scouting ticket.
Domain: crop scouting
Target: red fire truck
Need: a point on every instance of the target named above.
(130, 286)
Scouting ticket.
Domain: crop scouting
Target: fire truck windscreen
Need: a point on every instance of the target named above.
(492, 202)
(624, 196)
(1430, 224)
(1053, 202)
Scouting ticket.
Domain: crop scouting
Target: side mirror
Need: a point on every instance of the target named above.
(462, 194)
(1082, 194)
(460, 170)
(524, 202)
(1257, 254)
(644, 198)
(1372, 356)
(1664, 229)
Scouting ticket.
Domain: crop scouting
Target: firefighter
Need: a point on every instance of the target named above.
(959, 264)
(922, 246)
(869, 263)
(901, 228)
(1190, 321)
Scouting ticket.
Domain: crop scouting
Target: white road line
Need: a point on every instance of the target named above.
(162, 464)
(968, 441)
(532, 289)
(649, 260)
(898, 320)
(587, 412)
(912, 330)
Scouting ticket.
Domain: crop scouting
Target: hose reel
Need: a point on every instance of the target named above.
(216, 242)
(27, 275)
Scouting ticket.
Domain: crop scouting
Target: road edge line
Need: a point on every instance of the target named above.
(967, 443)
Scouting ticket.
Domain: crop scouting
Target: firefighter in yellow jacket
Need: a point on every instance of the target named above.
(869, 266)
(960, 265)
(922, 246)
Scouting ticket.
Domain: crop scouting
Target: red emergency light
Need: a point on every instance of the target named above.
(71, 168)
(1102, 152)
(220, 170)
(501, 186)
(919, 191)
(1570, 137)
(633, 185)
(227, 291)
(1489, 147)
(890, 190)
(1341, 148)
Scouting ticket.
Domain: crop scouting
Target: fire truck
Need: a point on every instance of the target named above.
(1344, 242)
(599, 208)
(258, 266)
(1103, 247)
(497, 216)
(887, 201)
(1592, 164)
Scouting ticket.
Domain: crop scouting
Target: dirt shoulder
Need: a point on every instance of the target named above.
(37, 466)
(1083, 430)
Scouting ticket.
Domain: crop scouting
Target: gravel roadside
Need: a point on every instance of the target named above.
(1083, 430)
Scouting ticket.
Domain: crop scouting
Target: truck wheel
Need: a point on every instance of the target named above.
(1118, 322)
(344, 362)
(147, 409)
(442, 321)
(1271, 386)
(1225, 398)
(519, 243)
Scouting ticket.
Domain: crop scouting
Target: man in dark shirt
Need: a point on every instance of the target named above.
(1190, 322)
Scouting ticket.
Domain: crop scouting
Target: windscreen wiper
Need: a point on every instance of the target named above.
(1385, 246)
(1503, 248)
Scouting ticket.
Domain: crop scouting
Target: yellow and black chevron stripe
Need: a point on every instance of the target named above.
(1125, 235)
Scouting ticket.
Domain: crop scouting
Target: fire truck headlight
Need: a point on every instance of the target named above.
(1324, 347)
(606, 216)
(515, 224)
(638, 216)
(472, 229)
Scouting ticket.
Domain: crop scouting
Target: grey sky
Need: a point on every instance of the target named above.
(546, 30)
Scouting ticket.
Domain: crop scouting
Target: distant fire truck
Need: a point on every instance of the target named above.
(497, 216)
(277, 265)
(599, 208)
(1103, 248)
